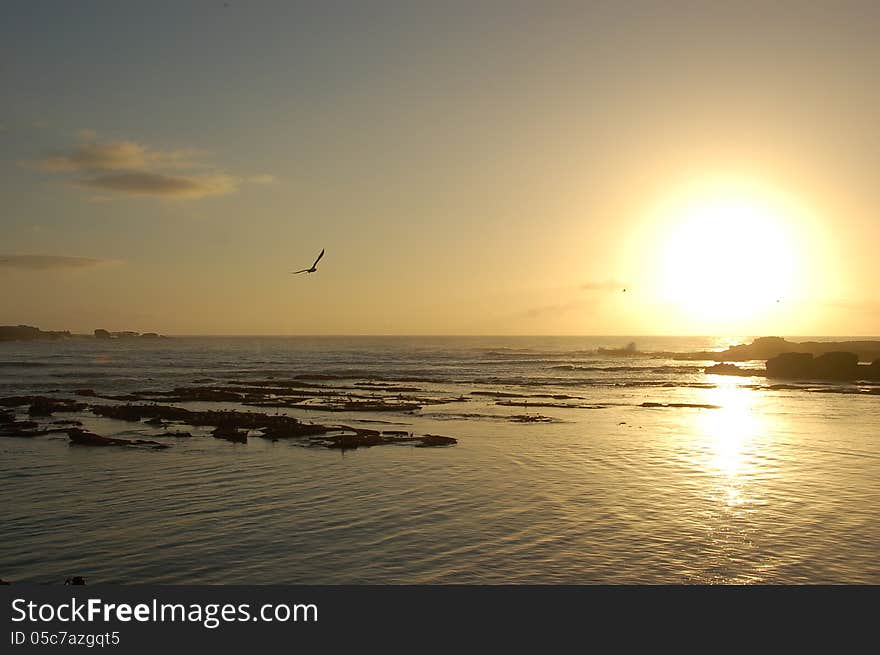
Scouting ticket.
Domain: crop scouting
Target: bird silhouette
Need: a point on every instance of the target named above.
(314, 266)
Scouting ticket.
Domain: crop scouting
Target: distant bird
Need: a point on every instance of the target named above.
(314, 266)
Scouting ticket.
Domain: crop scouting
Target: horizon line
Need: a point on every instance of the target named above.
(506, 336)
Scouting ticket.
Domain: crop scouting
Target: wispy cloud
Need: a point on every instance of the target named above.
(114, 156)
(128, 168)
(157, 184)
(50, 262)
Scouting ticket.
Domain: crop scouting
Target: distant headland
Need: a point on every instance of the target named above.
(808, 360)
(770, 347)
(30, 333)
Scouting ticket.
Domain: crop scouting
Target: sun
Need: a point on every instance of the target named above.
(725, 255)
(728, 258)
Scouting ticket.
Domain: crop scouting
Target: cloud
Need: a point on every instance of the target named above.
(49, 262)
(156, 184)
(128, 168)
(114, 156)
(608, 285)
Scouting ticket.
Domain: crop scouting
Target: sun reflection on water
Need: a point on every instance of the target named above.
(729, 435)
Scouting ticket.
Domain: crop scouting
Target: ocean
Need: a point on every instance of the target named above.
(573, 464)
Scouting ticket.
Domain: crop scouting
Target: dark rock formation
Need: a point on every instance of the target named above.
(75, 580)
(9, 427)
(770, 347)
(837, 366)
(29, 333)
(101, 334)
(532, 418)
(791, 365)
(731, 369)
(692, 405)
(80, 437)
(360, 438)
(41, 405)
(229, 425)
(431, 440)
(230, 433)
(177, 435)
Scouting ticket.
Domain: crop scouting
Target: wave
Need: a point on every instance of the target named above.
(631, 369)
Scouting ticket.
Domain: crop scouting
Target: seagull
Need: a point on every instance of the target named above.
(314, 266)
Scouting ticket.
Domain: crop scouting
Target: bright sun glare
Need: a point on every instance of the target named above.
(729, 258)
(727, 254)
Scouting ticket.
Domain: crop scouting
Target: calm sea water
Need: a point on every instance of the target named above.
(773, 486)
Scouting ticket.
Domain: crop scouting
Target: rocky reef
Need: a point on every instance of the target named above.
(229, 425)
(80, 437)
(29, 333)
(836, 366)
(832, 366)
(769, 347)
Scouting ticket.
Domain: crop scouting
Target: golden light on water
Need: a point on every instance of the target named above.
(729, 435)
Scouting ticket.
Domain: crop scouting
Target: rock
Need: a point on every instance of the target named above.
(43, 406)
(101, 334)
(431, 440)
(791, 365)
(531, 418)
(730, 369)
(837, 366)
(24, 429)
(230, 433)
(29, 333)
(873, 372)
(80, 437)
(771, 347)
(690, 405)
(40, 407)
(75, 580)
(353, 441)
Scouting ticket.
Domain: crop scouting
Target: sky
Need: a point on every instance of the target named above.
(469, 167)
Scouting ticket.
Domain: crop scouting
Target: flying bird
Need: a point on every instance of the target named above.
(314, 266)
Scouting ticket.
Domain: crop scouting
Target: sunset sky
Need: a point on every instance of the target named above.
(470, 168)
